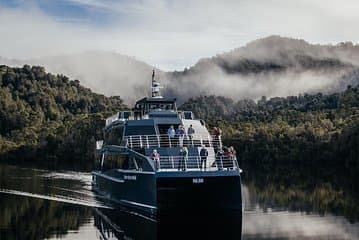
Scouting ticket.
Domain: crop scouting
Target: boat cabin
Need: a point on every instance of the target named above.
(155, 106)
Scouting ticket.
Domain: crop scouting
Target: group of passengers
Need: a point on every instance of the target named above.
(179, 134)
(224, 156)
(182, 159)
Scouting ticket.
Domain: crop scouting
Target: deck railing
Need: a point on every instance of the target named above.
(163, 140)
(193, 163)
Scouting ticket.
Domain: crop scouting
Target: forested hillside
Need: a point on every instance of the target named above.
(320, 131)
(49, 118)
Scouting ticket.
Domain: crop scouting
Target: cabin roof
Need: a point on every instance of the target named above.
(168, 121)
(139, 123)
(156, 100)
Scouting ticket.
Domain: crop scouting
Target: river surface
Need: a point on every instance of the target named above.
(43, 204)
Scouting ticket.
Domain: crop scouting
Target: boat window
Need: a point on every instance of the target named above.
(164, 106)
(168, 106)
(114, 135)
(135, 164)
(127, 115)
(163, 128)
(154, 106)
(115, 161)
(140, 130)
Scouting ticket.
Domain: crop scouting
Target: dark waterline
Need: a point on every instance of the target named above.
(39, 204)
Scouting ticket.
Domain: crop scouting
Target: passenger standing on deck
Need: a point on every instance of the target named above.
(171, 135)
(233, 152)
(233, 156)
(181, 133)
(190, 133)
(155, 156)
(219, 159)
(178, 128)
(204, 154)
(171, 132)
(183, 159)
(228, 160)
(217, 138)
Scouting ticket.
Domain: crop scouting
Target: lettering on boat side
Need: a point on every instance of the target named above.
(198, 180)
(129, 177)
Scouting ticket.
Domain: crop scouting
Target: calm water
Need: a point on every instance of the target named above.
(40, 204)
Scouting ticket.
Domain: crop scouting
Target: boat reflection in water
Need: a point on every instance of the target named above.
(123, 224)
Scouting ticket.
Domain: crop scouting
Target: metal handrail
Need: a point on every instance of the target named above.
(190, 163)
(163, 140)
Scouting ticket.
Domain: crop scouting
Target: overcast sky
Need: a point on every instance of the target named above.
(167, 34)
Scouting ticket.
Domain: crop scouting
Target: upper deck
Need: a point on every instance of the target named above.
(145, 129)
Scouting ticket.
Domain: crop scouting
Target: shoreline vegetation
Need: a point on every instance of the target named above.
(46, 117)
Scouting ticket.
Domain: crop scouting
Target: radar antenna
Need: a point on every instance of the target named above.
(155, 87)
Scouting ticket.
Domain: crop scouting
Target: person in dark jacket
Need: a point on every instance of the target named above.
(219, 159)
(204, 154)
(182, 163)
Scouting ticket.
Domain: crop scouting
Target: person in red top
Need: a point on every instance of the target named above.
(217, 132)
(229, 154)
(155, 156)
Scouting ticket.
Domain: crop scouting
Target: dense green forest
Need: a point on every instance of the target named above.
(294, 129)
(299, 151)
(48, 119)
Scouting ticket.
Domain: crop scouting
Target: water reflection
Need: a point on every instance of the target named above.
(200, 225)
(32, 218)
(295, 225)
(39, 204)
(119, 224)
(300, 188)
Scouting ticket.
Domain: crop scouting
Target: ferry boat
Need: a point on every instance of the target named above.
(127, 175)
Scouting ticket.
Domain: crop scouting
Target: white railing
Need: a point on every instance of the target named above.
(193, 163)
(163, 140)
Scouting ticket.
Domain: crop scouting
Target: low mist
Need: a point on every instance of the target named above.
(273, 66)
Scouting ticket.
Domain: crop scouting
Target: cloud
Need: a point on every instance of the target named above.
(90, 3)
(167, 34)
(33, 34)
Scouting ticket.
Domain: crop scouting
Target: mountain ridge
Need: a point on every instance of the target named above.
(271, 66)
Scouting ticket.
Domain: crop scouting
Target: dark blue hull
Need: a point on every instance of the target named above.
(197, 191)
(135, 190)
(168, 191)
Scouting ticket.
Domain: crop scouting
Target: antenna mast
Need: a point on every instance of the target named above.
(152, 84)
(155, 87)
